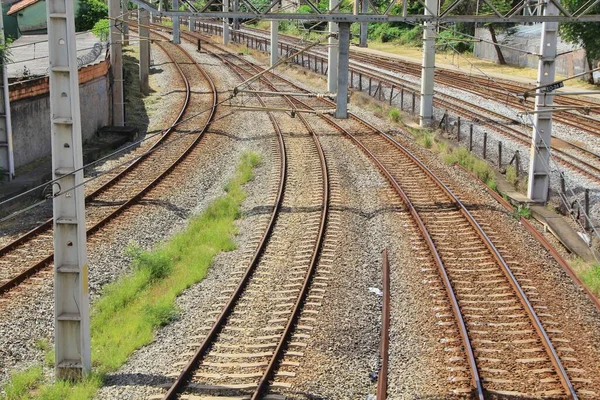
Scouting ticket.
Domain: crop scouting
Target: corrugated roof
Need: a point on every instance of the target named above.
(20, 5)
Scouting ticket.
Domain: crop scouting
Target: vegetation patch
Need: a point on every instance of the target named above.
(591, 279)
(130, 309)
(480, 168)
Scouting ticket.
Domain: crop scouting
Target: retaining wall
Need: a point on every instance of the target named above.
(30, 111)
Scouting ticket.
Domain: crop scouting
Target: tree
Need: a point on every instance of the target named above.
(586, 34)
(90, 12)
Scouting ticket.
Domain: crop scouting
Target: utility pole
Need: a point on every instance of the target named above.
(225, 23)
(71, 299)
(125, 14)
(116, 62)
(428, 67)
(364, 26)
(343, 63)
(7, 162)
(274, 42)
(176, 35)
(236, 9)
(332, 54)
(539, 165)
(144, 21)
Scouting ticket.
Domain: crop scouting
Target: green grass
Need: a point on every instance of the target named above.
(21, 383)
(464, 157)
(394, 115)
(523, 211)
(511, 175)
(591, 278)
(130, 309)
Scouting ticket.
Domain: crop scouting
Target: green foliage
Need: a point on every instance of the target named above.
(586, 34)
(21, 383)
(523, 211)
(409, 36)
(511, 175)
(591, 278)
(480, 168)
(133, 307)
(394, 115)
(100, 29)
(449, 40)
(89, 13)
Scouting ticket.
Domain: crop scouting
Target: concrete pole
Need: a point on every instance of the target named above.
(7, 162)
(225, 23)
(176, 35)
(116, 61)
(428, 67)
(144, 20)
(71, 299)
(236, 8)
(332, 54)
(274, 42)
(125, 13)
(539, 166)
(364, 26)
(192, 24)
(343, 63)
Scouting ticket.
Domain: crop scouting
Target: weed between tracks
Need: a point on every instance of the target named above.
(130, 309)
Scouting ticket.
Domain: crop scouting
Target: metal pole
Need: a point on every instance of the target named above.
(587, 209)
(364, 26)
(144, 20)
(71, 300)
(332, 55)
(539, 166)
(428, 67)
(176, 27)
(116, 61)
(343, 63)
(125, 13)
(7, 162)
(274, 41)
(226, 23)
(236, 8)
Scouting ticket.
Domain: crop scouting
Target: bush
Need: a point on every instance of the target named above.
(89, 13)
(100, 29)
(447, 40)
(394, 115)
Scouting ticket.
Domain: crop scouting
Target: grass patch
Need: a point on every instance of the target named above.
(511, 175)
(523, 211)
(21, 383)
(465, 158)
(130, 309)
(591, 279)
(394, 115)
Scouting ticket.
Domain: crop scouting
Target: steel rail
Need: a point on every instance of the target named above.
(262, 386)
(22, 276)
(382, 378)
(508, 132)
(546, 342)
(539, 237)
(185, 375)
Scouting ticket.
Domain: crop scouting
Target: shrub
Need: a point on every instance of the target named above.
(523, 211)
(89, 13)
(100, 29)
(394, 115)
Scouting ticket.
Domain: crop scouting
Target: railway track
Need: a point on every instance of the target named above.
(33, 251)
(573, 156)
(260, 322)
(502, 342)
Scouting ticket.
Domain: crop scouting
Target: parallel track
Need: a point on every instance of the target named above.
(263, 365)
(33, 251)
(498, 324)
(578, 159)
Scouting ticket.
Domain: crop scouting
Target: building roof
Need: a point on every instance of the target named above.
(18, 6)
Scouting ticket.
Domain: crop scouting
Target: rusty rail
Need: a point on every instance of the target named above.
(22, 276)
(382, 379)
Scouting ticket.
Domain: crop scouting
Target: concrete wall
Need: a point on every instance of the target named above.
(33, 18)
(527, 39)
(30, 108)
